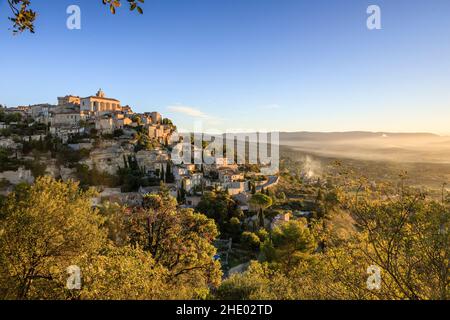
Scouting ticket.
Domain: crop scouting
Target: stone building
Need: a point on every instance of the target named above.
(156, 117)
(127, 110)
(104, 124)
(99, 104)
(66, 118)
(16, 177)
(69, 100)
(41, 112)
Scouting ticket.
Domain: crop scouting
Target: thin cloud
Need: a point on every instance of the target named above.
(189, 111)
(195, 113)
(270, 107)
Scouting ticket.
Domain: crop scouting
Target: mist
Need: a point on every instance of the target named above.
(398, 147)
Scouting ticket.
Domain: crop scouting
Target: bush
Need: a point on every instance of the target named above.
(250, 240)
(117, 133)
(262, 234)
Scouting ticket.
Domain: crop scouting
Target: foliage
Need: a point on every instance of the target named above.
(178, 239)
(290, 242)
(8, 163)
(158, 253)
(131, 176)
(260, 202)
(93, 177)
(250, 240)
(219, 206)
(405, 234)
(262, 234)
(24, 17)
(233, 228)
(259, 282)
(144, 142)
(124, 273)
(45, 228)
(407, 237)
(10, 117)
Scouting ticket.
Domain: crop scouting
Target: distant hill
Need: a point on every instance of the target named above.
(399, 147)
(351, 135)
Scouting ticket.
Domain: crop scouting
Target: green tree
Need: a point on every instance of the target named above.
(404, 234)
(125, 273)
(180, 240)
(259, 282)
(261, 202)
(219, 206)
(290, 242)
(46, 228)
(234, 228)
(262, 234)
(407, 237)
(250, 240)
(253, 188)
(51, 225)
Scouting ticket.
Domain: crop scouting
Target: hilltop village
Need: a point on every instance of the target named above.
(124, 155)
(215, 229)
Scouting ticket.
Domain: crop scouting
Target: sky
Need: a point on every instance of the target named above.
(235, 65)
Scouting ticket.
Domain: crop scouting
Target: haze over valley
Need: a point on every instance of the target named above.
(396, 147)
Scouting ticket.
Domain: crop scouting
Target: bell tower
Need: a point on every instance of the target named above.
(100, 93)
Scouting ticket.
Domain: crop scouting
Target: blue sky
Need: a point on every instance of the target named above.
(288, 65)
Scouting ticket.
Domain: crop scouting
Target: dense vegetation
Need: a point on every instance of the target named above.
(353, 225)
(159, 251)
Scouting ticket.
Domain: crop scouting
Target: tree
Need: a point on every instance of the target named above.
(167, 122)
(180, 240)
(219, 206)
(250, 240)
(131, 176)
(260, 202)
(290, 242)
(156, 253)
(169, 178)
(407, 238)
(163, 175)
(46, 228)
(404, 234)
(262, 234)
(259, 282)
(24, 17)
(125, 273)
(233, 228)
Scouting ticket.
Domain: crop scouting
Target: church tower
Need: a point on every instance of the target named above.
(100, 93)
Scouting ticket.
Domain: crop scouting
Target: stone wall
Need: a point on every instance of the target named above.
(16, 177)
